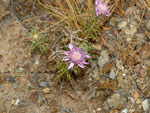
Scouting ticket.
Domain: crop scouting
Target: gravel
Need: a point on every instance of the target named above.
(103, 59)
(145, 105)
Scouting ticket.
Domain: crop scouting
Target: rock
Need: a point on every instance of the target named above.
(103, 59)
(15, 85)
(119, 65)
(124, 111)
(107, 68)
(145, 105)
(108, 84)
(122, 25)
(112, 74)
(53, 110)
(43, 84)
(11, 79)
(130, 31)
(132, 100)
(106, 107)
(96, 74)
(46, 90)
(37, 62)
(17, 102)
(94, 111)
(115, 102)
(19, 70)
(148, 25)
(98, 109)
(113, 111)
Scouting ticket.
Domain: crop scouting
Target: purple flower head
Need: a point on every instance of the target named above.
(75, 56)
(101, 8)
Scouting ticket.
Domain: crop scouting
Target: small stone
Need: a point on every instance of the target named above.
(17, 102)
(122, 25)
(130, 31)
(19, 70)
(43, 84)
(113, 111)
(98, 109)
(145, 105)
(107, 68)
(131, 25)
(94, 111)
(112, 74)
(37, 62)
(53, 110)
(46, 90)
(148, 25)
(15, 85)
(115, 101)
(119, 65)
(95, 74)
(97, 46)
(13, 101)
(131, 100)
(11, 79)
(124, 111)
(103, 59)
(6, 52)
(124, 74)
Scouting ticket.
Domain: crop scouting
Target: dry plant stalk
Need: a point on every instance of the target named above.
(71, 12)
(75, 12)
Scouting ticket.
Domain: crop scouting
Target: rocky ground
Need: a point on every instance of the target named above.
(117, 80)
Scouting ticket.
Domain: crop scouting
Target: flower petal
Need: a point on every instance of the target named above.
(65, 59)
(81, 65)
(71, 65)
(66, 52)
(85, 62)
(70, 46)
(87, 56)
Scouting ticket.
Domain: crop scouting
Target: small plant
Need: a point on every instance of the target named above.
(38, 40)
(76, 58)
(90, 28)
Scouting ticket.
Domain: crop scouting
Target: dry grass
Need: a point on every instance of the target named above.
(73, 13)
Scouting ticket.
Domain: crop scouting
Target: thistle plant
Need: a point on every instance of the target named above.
(75, 56)
(101, 8)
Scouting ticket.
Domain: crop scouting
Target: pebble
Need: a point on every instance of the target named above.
(96, 74)
(103, 59)
(112, 74)
(98, 109)
(43, 84)
(130, 31)
(145, 105)
(119, 65)
(19, 70)
(6, 52)
(94, 111)
(15, 85)
(148, 25)
(124, 111)
(17, 102)
(122, 25)
(11, 79)
(37, 62)
(115, 101)
(131, 100)
(53, 110)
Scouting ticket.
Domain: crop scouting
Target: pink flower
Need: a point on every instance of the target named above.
(101, 8)
(75, 56)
